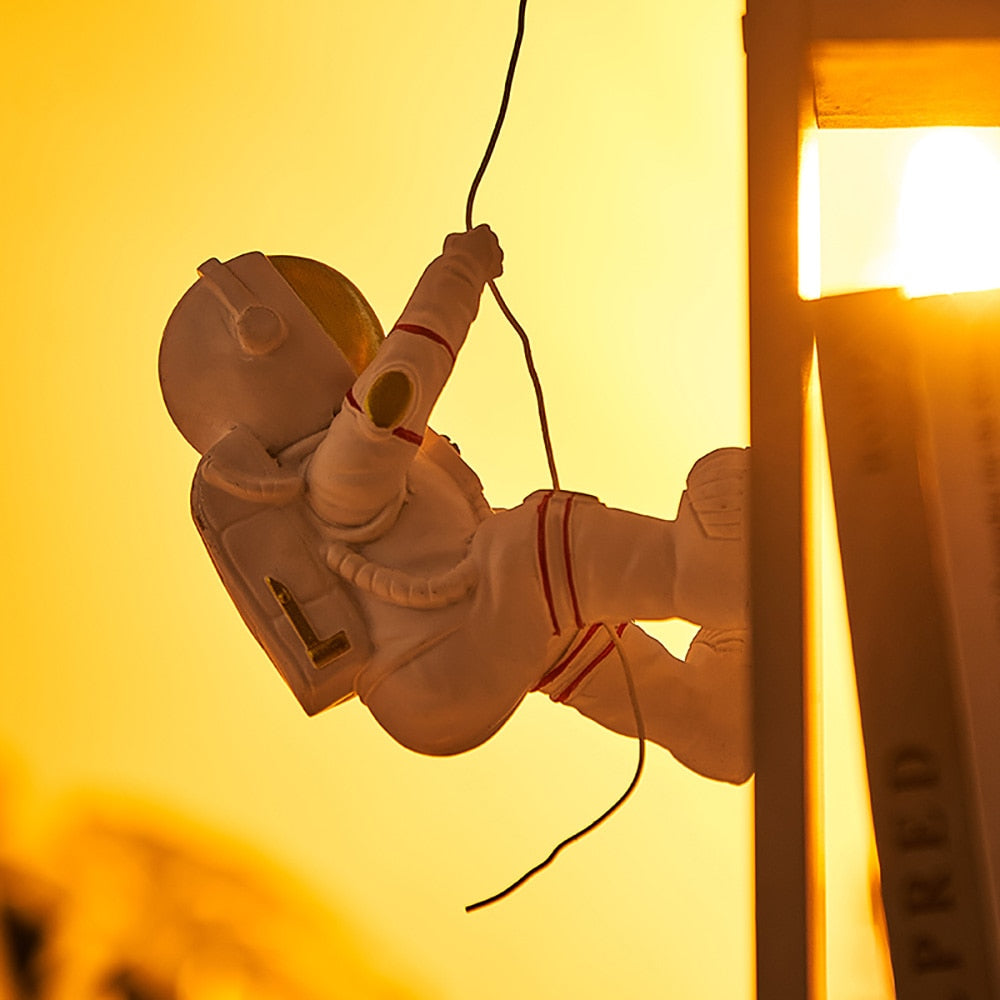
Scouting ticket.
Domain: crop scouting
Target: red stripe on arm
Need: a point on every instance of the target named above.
(543, 562)
(423, 331)
(401, 432)
(412, 436)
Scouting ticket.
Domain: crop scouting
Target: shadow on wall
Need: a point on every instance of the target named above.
(125, 901)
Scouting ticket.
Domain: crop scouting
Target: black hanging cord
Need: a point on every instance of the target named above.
(536, 382)
(504, 308)
(501, 115)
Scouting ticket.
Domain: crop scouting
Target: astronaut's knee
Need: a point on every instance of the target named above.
(711, 550)
(719, 660)
(717, 491)
(434, 719)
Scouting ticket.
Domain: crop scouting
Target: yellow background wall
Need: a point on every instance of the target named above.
(141, 139)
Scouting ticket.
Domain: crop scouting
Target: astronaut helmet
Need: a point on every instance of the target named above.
(268, 343)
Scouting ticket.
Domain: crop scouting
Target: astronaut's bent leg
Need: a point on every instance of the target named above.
(615, 565)
(601, 565)
(698, 708)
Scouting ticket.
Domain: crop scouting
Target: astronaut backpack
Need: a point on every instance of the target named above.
(255, 359)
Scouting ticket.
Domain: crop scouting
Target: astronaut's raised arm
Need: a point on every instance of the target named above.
(357, 475)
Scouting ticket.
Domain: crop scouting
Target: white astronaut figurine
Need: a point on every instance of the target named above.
(361, 552)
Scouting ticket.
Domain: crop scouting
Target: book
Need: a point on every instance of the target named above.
(902, 466)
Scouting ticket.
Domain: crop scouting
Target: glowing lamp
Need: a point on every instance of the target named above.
(948, 226)
(869, 65)
(911, 208)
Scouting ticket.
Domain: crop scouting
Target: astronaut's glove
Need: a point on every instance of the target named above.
(710, 548)
(719, 669)
(481, 247)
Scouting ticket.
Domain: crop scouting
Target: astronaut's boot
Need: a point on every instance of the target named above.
(718, 665)
(710, 547)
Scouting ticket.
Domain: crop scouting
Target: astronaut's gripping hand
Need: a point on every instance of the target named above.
(481, 246)
(358, 472)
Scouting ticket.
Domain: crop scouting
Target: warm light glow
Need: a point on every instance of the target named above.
(850, 952)
(911, 207)
(949, 214)
(810, 256)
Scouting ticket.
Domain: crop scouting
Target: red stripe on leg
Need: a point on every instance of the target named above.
(589, 668)
(561, 666)
(543, 562)
(569, 564)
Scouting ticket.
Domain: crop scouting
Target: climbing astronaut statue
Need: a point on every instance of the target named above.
(362, 554)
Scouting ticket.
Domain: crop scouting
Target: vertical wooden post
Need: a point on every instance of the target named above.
(775, 33)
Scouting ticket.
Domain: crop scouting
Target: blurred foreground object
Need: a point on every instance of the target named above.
(135, 905)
